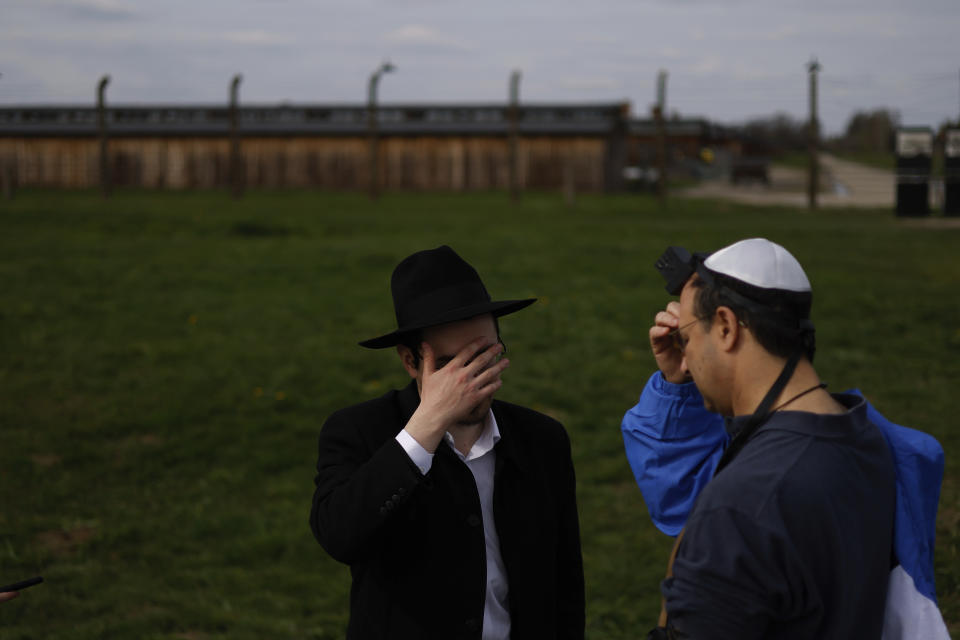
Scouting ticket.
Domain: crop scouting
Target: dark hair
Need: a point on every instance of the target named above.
(778, 320)
(413, 339)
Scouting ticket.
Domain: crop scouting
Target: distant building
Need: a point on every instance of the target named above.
(454, 147)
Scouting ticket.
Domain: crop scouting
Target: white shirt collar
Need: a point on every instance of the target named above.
(484, 444)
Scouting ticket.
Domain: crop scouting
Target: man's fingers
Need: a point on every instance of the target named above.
(663, 323)
(493, 372)
(660, 340)
(482, 361)
(429, 363)
(666, 319)
(469, 351)
(491, 388)
(659, 331)
(489, 381)
(468, 376)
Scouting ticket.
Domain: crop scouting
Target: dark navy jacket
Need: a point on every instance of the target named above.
(793, 539)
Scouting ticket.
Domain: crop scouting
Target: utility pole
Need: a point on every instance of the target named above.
(372, 125)
(659, 112)
(6, 175)
(514, 120)
(236, 168)
(813, 177)
(105, 182)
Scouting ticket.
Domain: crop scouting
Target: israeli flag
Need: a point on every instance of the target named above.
(911, 610)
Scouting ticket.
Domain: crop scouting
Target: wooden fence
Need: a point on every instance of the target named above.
(466, 163)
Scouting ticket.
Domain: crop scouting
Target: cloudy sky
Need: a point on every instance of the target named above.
(727, 60)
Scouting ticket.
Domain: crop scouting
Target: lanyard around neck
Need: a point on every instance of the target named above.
(761, 415)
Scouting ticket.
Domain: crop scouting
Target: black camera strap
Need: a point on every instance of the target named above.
(761, 415)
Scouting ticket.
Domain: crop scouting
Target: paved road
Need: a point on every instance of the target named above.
(859, 185)
(849, 185)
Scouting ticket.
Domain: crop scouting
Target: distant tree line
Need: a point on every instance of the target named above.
(869, 131)
(771, 135)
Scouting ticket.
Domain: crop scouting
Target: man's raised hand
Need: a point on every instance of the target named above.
(452, 391)
(665, 351)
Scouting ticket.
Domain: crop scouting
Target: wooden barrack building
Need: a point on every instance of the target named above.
(419, 147)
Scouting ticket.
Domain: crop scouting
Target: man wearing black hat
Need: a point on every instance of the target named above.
(792, 535)
(456, 512)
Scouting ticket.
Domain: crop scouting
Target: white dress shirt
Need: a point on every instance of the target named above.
(481, 460)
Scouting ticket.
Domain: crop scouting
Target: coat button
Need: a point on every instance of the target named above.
(383, 511)
(401, 491)
(389, 504)
(474, 520)
(472, 624)
(395, 498)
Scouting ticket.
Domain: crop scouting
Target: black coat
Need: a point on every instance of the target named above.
(415, 542)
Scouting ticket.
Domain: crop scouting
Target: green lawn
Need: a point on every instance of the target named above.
(167, 359)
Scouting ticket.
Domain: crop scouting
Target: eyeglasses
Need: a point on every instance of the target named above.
(679, 340)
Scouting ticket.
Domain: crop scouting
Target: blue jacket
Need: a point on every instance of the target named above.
(673, 445)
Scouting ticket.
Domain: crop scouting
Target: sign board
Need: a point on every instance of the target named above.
(951, 148)
(914, 143)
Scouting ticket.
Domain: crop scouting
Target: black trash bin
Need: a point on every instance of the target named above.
(951, 173)
(914, 155)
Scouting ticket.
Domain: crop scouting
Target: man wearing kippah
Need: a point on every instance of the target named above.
(788, 514)
(456, 512)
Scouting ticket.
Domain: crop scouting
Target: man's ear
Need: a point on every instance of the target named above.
(728, 328)
(409, 362)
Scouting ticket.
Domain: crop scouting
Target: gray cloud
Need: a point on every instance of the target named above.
(726, 60)
(96, 10)
(424, 39)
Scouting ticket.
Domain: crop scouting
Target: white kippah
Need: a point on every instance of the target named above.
(761, 263)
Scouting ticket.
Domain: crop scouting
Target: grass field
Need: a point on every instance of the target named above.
(167, 359)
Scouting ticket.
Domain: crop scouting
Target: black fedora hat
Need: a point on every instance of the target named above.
(434, 287)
